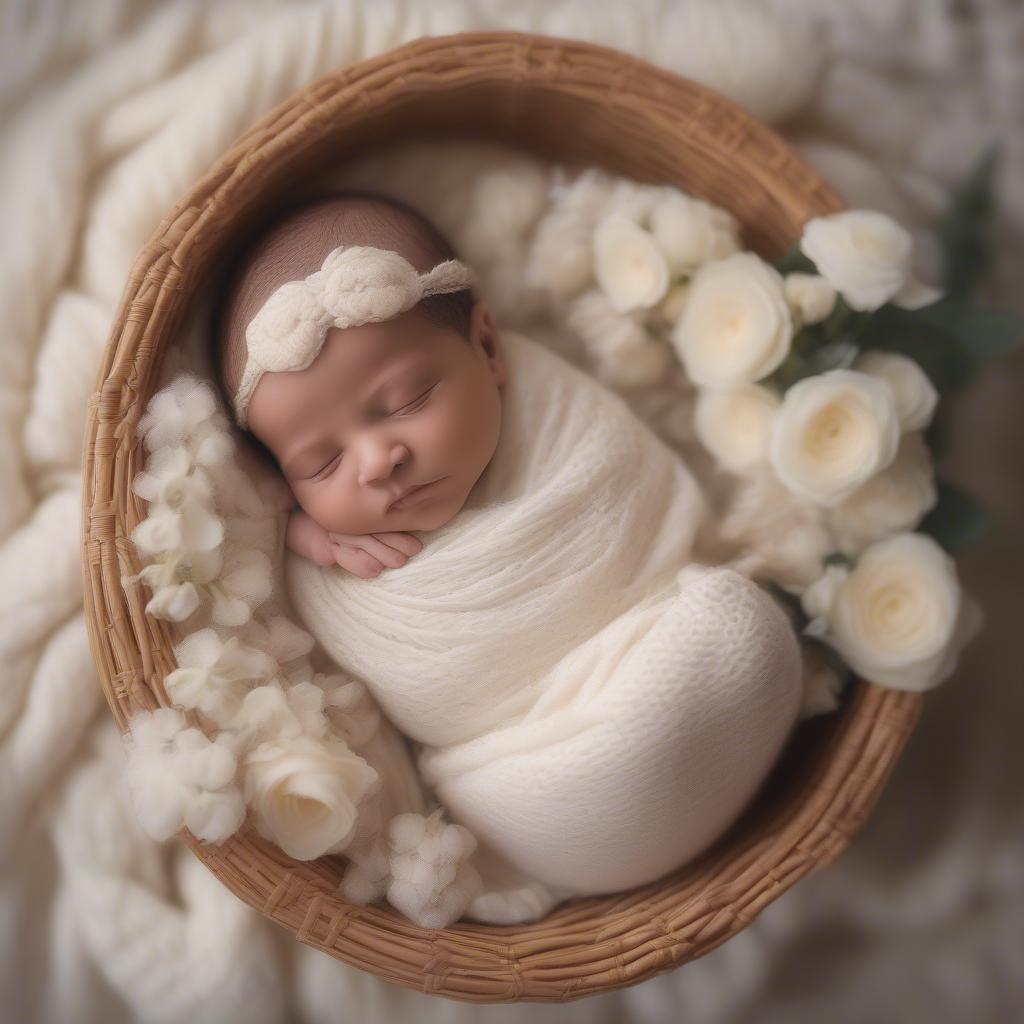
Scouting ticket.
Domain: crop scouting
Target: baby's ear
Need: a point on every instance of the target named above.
(484, 337)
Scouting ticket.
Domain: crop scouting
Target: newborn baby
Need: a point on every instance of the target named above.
(595, 707)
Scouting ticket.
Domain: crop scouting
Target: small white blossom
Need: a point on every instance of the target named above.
(178, 778)
(629, 266)
(913, 393)
(863, 254)
(691, 231)
(214, 675)
(810, 297)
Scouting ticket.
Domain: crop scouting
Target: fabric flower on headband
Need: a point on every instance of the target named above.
(357, 284)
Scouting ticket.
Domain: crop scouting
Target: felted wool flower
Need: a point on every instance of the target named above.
(691, 231)
(278, 637)
(617, 343)
(181, 514)
(275, 712)
(863, 254)
(184, 411)
(833, 433)
(735, 425)
(214, 675)
(560, 258)
(913, 392)
(352, 712)
(628, 264)
(177, 777)
(893, 500)
(432, 881)
(736, 325)
(782, 536)
(305, 793)
(176, 578)
(898, 618)
(244, 583)
(505, 202)
(810, 297)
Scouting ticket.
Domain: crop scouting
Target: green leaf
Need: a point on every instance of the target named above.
(793, 261)
(832, 355)
(928, 340)
(965, 228)
(957, 520)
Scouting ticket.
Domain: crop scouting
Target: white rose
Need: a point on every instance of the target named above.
(628, 264)
(863, 254)
(834, 432)
(891, 501)
(736, 425)
(810, 297)
(914, 394)
(897, 616)
(691, 232)
(305, 792)
(736, 325)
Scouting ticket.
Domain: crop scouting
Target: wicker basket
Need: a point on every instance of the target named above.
(574, 102)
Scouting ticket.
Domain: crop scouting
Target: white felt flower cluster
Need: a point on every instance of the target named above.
(618, 254)
(284, 737)
(829, 457)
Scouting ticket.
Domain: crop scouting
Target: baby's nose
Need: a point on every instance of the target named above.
(378, 462)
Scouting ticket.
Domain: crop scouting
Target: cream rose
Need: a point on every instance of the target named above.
(736, 326)
(305, 793)
(628, 264)
(863, 254)
(833, 433)
(810, 297)
(913, 393)
(891, 501)
(690, 232)
(736, 425)
(896, 616)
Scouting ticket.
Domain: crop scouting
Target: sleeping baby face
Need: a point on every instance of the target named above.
(390, 426)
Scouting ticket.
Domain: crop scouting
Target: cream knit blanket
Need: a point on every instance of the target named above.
(592, 705)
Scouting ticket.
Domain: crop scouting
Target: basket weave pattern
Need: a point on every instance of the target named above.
(577, 103)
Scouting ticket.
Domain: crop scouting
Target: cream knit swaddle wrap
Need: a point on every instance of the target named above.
(593, 710)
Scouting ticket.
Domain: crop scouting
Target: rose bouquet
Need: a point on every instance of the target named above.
(815, 382)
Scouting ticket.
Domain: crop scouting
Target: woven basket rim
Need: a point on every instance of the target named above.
(584, 946)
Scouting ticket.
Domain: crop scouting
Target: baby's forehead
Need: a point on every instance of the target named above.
(298, 245)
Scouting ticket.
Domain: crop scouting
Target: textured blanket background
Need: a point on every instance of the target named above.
(110, 109)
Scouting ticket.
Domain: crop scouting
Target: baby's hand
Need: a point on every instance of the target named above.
(365, 555)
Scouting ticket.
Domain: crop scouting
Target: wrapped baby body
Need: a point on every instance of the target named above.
(592, 705)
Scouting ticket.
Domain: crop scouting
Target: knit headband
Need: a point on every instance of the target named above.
(356, 285)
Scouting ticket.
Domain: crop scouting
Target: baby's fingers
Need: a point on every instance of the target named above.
(357, 561)
(380, 551)
(404, 542)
